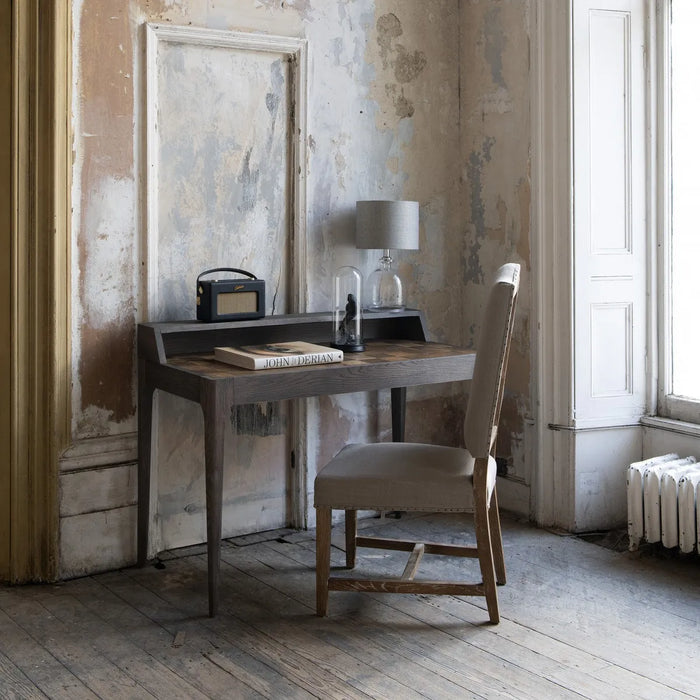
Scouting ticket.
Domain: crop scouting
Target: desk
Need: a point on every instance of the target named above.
(178, 358)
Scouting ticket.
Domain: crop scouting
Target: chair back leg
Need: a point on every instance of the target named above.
(350, 535)
(497, 540)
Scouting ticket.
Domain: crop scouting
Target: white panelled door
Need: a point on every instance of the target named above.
(609, 213)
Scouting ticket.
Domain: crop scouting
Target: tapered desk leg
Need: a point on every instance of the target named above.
(398, 413)
(214, 432)
(145, 424)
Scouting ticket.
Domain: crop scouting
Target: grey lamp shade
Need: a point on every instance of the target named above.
(387, 225)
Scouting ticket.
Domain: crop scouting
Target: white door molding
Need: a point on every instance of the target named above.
(295, 52)
(552, 255)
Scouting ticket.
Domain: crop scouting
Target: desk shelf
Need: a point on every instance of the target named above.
(157, 342)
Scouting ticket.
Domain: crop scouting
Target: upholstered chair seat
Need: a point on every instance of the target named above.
(401, 476)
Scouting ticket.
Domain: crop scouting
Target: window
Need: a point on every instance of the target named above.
(680, 185)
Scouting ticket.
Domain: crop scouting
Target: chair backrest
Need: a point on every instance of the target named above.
(486, 391)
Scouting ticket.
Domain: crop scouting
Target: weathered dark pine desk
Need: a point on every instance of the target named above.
(178, 358)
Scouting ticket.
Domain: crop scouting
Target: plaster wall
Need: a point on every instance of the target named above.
(407, 99)
(495, 129)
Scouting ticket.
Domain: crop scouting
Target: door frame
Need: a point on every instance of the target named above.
(551, 224)
(5, 281)
(35, 420)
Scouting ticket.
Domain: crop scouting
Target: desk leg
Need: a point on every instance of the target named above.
(215, 413)
(145, 426)
(398, 413)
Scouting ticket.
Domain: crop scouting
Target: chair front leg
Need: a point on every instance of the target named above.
(483, 542)
(323, 558)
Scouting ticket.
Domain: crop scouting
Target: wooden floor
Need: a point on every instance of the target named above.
(578, 620)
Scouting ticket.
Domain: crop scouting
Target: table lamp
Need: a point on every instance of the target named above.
(386, 225)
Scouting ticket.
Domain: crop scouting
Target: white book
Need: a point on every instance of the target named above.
(278, 355)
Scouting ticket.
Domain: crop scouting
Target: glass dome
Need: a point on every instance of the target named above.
(347, 310)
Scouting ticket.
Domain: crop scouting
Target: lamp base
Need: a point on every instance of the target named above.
(383, 309)
(385, 291)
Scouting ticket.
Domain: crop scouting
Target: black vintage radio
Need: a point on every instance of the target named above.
(230, 299)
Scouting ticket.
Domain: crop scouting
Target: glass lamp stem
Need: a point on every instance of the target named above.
(386, 260)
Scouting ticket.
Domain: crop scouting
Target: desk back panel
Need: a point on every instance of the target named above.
(159, 341)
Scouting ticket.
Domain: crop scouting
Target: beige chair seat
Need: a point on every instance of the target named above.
(391, 476)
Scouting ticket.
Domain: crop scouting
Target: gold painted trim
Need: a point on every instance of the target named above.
(5, 281)
(40, 285)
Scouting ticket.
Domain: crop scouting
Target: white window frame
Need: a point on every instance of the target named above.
(667, 405)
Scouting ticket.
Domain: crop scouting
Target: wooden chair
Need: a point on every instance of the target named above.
(397, 476)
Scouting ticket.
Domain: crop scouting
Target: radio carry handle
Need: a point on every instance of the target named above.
(226, 269)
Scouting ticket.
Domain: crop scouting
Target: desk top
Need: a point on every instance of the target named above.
(377, 352)
(384, 364)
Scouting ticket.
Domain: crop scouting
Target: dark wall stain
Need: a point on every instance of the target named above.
(473, 271)
(407, 65)
(260, 419)
(249, 184)
(272, 102)
(388, 29)
(494, 45)
(106, 363)
(404, 106)
(475, 164)
(511, 427)
(446, 423)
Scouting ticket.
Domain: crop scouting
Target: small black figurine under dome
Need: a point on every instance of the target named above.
(347, 310)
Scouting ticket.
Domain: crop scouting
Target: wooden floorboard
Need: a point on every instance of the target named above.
(189, 660)
(47, 674)
(73, 650)
(14, 683)
(577, 621)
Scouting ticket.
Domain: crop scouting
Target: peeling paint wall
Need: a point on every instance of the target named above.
(495, 128)
(407, 99)
(104, 197)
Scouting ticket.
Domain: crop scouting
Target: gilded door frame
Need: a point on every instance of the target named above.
(35, 359)
(5, 281)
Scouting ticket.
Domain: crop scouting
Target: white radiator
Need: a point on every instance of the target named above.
(662, 502)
